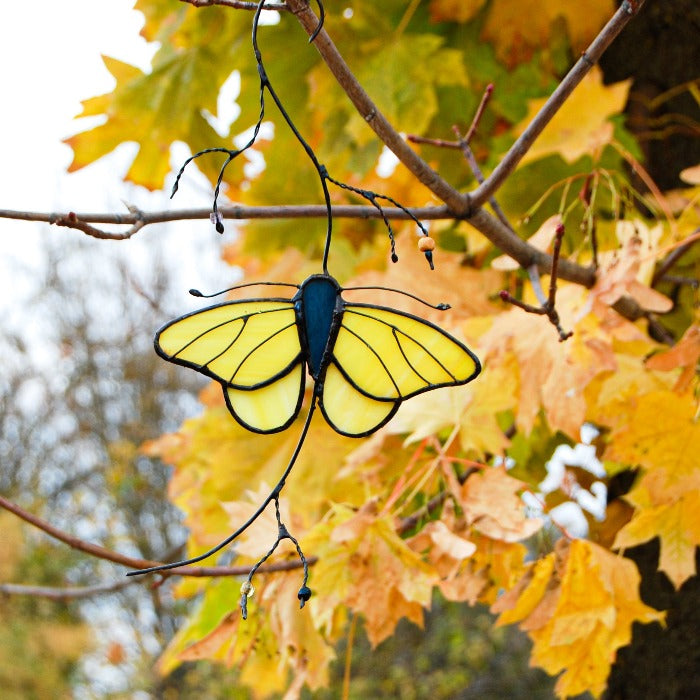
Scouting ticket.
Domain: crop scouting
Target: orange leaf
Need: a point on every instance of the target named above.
(493, 507)
(684, 354)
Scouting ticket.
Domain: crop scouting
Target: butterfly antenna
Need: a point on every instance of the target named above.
(273, 496)
(439, 307)
(197, 293)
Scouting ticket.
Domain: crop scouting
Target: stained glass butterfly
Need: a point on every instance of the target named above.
(364, 359)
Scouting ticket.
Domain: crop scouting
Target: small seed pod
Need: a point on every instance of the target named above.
(426, 244)
(247, 589)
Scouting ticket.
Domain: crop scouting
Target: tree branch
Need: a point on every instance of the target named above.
(493, 229)
(100, 552)
(456, 201)
(238, 4)
(138, 219)
(588, 59)
(63, 593)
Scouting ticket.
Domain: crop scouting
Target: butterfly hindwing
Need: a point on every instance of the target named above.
(252, 348)
(381, 357)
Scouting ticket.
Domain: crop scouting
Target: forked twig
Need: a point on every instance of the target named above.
(547, 305)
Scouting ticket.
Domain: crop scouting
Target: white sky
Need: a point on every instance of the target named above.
(50, 61)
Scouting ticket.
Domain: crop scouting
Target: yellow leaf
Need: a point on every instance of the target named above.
(672, 517)
(578, 606)
(659, 431)
(500, 565)
(516, 39)
(579, 128)
(154, 110)
(519, 602)
(613, 393)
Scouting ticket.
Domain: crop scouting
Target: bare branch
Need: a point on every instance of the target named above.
(588, 59)
(63, 593)
(137, 219)
(135, 563)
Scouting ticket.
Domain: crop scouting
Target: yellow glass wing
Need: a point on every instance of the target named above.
(381, 357)
(349, 411)
(253, 349)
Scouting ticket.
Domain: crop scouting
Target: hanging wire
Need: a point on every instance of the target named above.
(247, 589)
(324, 177)
(273, 496)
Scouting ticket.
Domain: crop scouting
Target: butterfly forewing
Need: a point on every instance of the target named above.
(244, 344)
(404, 355)
(252, 348)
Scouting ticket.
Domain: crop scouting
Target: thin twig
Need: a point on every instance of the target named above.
(438, 143)
(64, 593)
(547, 306)
(674, 256)
(238, 4)
(407, 523)
(479, 113)
(474, 167)
(588, 59)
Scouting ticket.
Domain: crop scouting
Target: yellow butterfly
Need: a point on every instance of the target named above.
(364, 359)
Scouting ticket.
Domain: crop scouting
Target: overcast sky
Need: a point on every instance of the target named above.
(50, 61)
